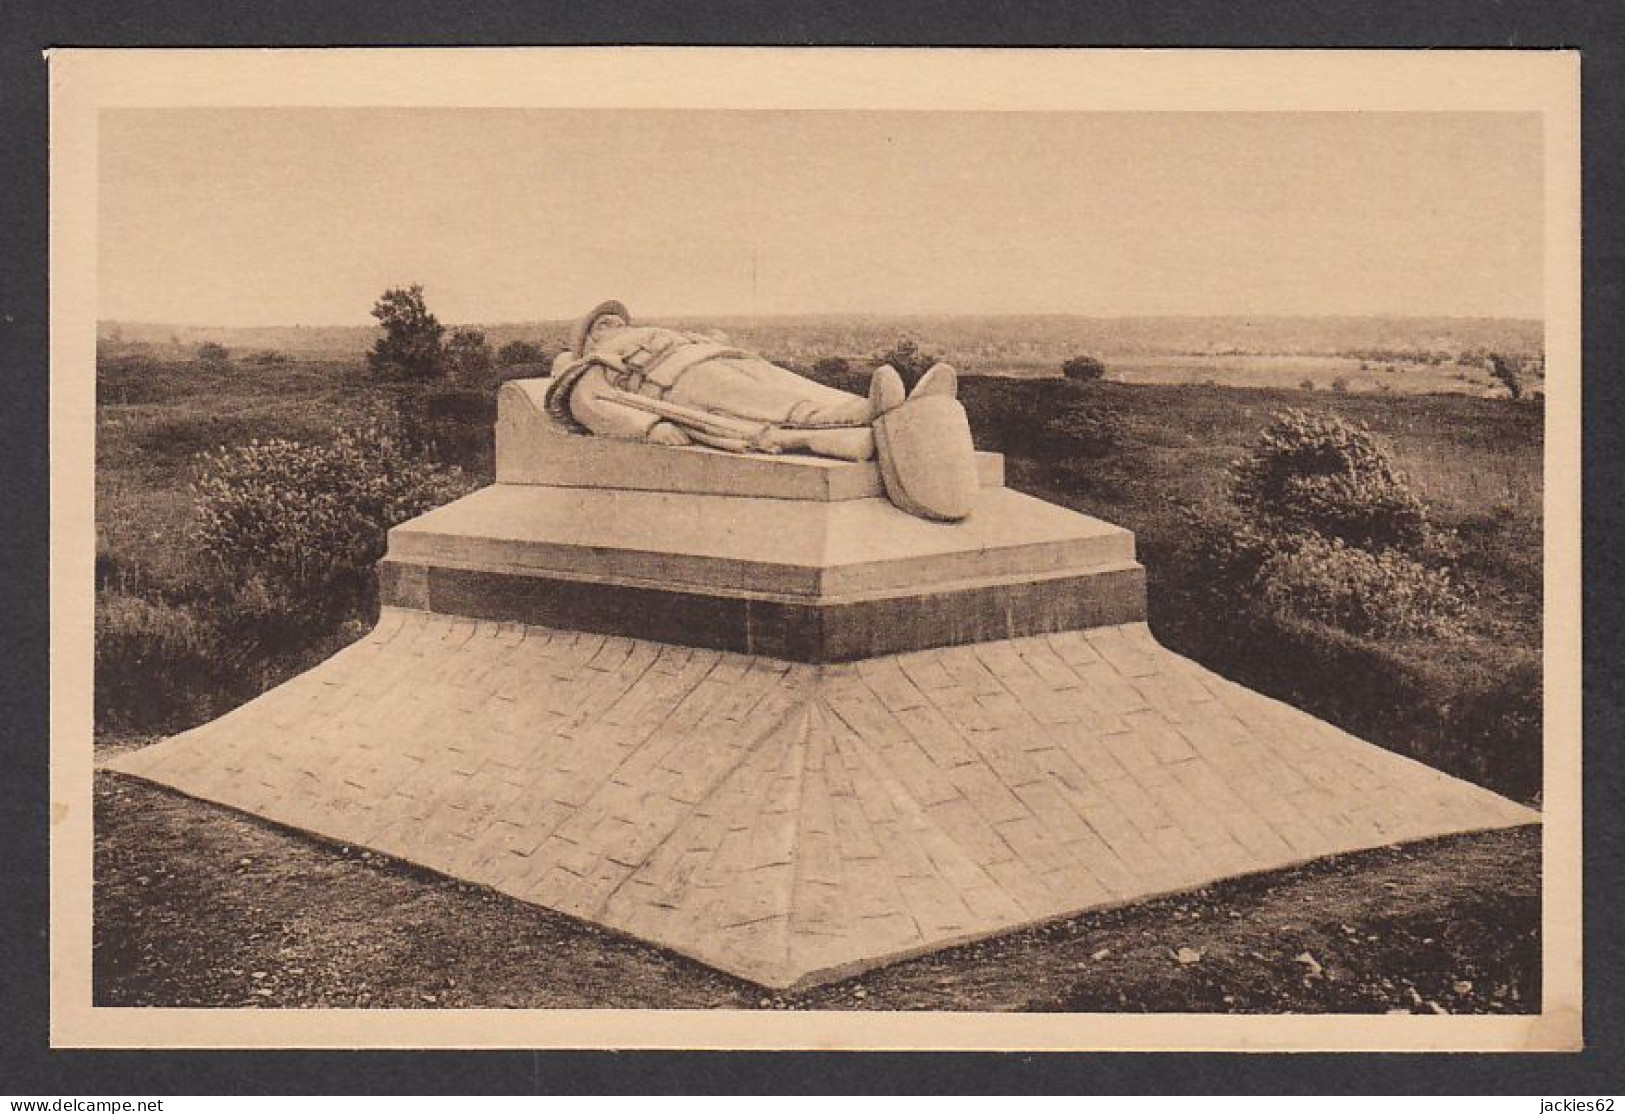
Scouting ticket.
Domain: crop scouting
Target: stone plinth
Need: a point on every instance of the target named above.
(806, 580)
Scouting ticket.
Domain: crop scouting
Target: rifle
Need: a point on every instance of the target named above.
(693, 418)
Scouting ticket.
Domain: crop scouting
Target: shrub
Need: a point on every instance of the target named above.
(519, 352)
(910, 362)
(1077, 430)
(1307, 385)
(468, 357)
(1507, 371)
(1386, 593)
(830, 366)
(213, 356)
(1083, 368)
(410, 347)
(1229, 549)
(1340, 385)
(136, 379)
(140, 642)
(303, 524)
(1320, 474)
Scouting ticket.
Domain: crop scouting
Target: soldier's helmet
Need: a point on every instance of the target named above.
(583, 329)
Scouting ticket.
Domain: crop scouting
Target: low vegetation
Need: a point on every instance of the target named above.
(299, 526)
(1083, 368)
(411, 346)
(906, 356)
(238, 520)
(1320, 525)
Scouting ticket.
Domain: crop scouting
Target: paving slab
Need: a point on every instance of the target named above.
(791, 823)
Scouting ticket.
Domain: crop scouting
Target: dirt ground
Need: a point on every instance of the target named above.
(196, 905)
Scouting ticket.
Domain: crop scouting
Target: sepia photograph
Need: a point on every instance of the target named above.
(816, 548)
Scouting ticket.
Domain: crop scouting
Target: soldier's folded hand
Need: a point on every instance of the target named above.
(666, 433)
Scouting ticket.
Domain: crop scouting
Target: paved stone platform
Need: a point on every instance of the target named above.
(789, 822)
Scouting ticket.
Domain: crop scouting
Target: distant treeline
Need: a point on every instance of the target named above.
(968, 340)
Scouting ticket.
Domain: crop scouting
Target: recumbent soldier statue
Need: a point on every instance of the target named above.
(669, 387)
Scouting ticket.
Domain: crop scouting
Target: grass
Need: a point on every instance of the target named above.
(1281, 372)
(165, 614)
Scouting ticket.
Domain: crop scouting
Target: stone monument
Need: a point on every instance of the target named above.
(743, 705)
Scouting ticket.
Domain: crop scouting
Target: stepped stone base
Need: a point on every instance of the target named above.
(802, 580)
(792, 822)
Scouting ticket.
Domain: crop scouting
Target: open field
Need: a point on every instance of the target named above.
(1325, 373)
(967, 338)
(1339, 374)
(1411, 355)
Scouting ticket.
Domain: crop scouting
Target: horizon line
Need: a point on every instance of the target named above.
(869, 314)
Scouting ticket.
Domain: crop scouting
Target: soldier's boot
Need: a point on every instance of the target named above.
(849, 443)
(927, 459)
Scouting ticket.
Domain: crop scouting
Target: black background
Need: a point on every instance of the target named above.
(28, 1067)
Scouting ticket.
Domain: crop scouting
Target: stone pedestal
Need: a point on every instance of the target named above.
(795, 557)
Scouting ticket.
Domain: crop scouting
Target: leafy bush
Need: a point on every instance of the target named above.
(303, 524)
(910, 362)
(410, 347)
(519, 352)
(1077, 429)
(468, 357)
(1319, 473)
(268, 358)
(828, 366)
(1083, 368)
(1386, 593)
(213, 355)
(1229, 548)
(1509, 371)
(139, 641)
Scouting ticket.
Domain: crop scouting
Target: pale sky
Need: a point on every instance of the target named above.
(244, 217)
